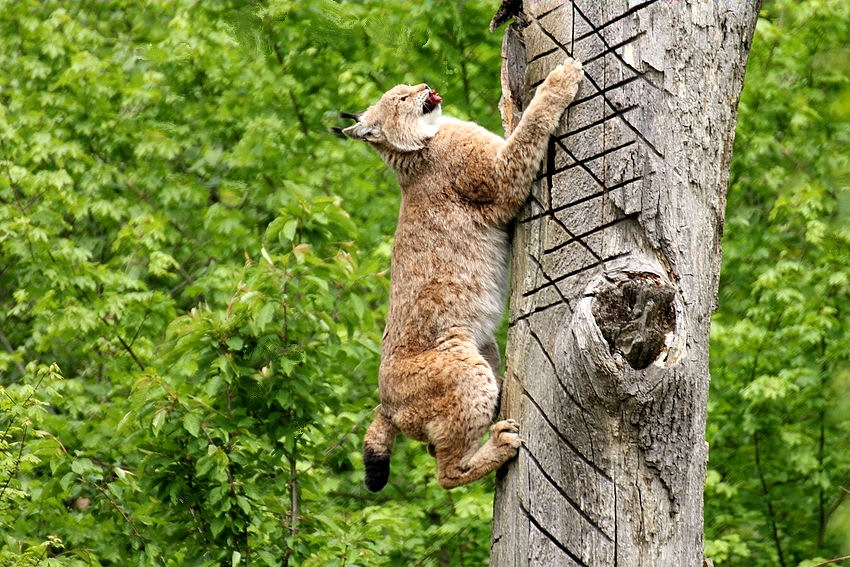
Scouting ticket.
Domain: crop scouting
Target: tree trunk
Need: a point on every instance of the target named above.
(615, 268)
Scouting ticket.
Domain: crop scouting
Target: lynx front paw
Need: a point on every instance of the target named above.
(506, 433)
(570, 71)
(565, 78)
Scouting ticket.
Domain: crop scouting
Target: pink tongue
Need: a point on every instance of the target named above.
(434, 98)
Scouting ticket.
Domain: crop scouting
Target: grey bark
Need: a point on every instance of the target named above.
(615, 270)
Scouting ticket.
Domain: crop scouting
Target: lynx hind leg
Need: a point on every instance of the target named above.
(457, 466)
(456, 432)
(490, 353)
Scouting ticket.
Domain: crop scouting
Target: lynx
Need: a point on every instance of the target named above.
(460, 187)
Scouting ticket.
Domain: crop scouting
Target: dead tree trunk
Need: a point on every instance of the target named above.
(615, 270)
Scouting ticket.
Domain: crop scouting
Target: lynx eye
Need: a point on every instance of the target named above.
(404, 98)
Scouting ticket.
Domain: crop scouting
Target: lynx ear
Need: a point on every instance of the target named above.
(337, 130)
(365, 132)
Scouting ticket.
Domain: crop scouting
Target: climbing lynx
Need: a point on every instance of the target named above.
(460, 186)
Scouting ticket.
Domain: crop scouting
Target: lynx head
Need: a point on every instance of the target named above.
(403, 120)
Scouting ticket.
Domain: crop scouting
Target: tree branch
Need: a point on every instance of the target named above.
(293, 492)
(836, 560)
(771, 515)
(14, 469)
(124, 344)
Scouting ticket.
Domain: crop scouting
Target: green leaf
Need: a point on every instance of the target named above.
(289, 228)
(192, 423)
(264, 316)
(159, 419)
(82, 466)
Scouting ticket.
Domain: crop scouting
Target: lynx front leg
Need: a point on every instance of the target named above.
(455, 468)
(519, 158)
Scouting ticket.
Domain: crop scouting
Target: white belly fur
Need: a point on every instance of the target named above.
(489, 306)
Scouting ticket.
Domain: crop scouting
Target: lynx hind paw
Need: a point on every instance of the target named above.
(506, 432)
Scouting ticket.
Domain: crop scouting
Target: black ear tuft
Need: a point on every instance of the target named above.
(351, 115)
(337, 131)
(377, 469)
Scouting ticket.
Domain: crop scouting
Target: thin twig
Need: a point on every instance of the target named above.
(124, 344)
(14, 469)
(305, 129)
(770, 513)
(118, 509)
(293, 492)
(836, 560)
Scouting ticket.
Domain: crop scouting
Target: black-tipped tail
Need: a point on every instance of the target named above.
(377, 469)
(377, 445)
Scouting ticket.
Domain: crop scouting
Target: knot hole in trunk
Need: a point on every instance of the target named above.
(635, 313)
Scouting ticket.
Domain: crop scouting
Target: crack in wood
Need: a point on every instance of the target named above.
(543, 54)
(593, 83)
(584, 161)
(580, 200)
(616, 529)
(564, 494)
(612, 50)
(536, 523)
(595, 123)
(593, 230)
(615, 19)
(570, 233)
(535, 311)
(545, 275)
(548, 12)
(558, 377)
(614, 47)
(536, 201)
(583, 413)
(562, 437)
(602, 92)
(572, 273)
(550, 167)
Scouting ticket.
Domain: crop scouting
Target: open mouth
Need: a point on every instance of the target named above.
(433, 101)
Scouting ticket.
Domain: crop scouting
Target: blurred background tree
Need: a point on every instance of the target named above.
(779, 410)
(193, 280)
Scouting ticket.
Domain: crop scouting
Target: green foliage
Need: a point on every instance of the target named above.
(180, 233)
(779, 421)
